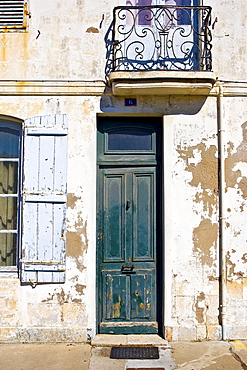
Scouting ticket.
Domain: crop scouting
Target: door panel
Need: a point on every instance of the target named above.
(114, 296)
(143, 216)
(113, 217)
(128, 269)
(142, 286)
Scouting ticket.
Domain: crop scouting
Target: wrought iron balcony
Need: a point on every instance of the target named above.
(161, 38)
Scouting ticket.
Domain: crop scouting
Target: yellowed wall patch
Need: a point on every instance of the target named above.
(204, 238)
(204, 173)
(234, 176)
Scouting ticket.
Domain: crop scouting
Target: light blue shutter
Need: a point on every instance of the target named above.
(44, 199)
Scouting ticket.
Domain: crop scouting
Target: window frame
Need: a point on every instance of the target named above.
(17, 125)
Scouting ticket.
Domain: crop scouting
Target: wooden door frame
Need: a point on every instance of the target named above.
(160, 225)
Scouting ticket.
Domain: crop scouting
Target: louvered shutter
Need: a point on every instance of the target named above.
(44, 199)
(11, 13)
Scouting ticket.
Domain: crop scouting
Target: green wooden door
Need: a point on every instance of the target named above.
(127, 266)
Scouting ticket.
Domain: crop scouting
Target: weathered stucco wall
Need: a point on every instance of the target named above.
(191, 216)
(229, 24)
(236, 114)
(65, 42)
(60, 43)
(64, 312)
(67, 311)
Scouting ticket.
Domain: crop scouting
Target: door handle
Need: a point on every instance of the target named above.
(127, 205)
(128, 269)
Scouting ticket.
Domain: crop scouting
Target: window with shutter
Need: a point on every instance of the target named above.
(13, 15)
(33, 198)
(44, 199)
(10, 149)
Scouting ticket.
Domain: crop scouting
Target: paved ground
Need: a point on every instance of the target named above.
(173, 355)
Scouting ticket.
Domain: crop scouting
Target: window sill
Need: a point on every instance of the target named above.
(8, 271)
(16, 29)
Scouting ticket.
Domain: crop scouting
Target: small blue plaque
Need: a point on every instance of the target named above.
(130, 102)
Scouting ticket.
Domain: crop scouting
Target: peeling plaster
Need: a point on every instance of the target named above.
(244, 258)
(80, 288)
(205, 238)
(204, 173)
(230, 266)
(71, 200)
(92, 30)
(76, 236)
(236, 164)
(200, 308)
(62, 298)
(58, 295)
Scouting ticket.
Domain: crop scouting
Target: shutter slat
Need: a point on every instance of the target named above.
(41, 266)
(44, 199)
(45, 241)
(11, 13)
(47, 198)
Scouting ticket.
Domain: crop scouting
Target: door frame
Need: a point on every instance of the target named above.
(160, 220)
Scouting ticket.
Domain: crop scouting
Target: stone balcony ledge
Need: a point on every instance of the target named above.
(131, 83)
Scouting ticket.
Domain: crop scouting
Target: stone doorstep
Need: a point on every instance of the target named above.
(100, 355)
(108, 340)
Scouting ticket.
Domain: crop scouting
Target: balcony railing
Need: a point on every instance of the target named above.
(161, 38)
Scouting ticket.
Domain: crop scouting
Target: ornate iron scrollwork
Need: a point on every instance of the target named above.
(161, 38)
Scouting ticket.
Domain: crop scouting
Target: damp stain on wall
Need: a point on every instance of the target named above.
(61, 297)
(87, 107)
(58, 295)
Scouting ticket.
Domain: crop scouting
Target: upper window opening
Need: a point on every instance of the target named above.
(145, 16)
(129, 140)
(13, 15)
(9, 143)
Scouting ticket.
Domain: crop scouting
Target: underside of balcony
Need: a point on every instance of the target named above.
(161, 83)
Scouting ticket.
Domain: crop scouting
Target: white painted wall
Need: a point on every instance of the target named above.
(70, 47)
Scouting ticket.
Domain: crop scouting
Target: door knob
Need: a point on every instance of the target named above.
(127, 205)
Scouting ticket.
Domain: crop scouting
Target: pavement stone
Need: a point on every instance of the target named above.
(239, 351)
(226, 362)
(100, 360)
(59, 356)
(205, 355)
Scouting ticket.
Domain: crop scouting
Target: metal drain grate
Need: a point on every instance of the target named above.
(137, 353)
